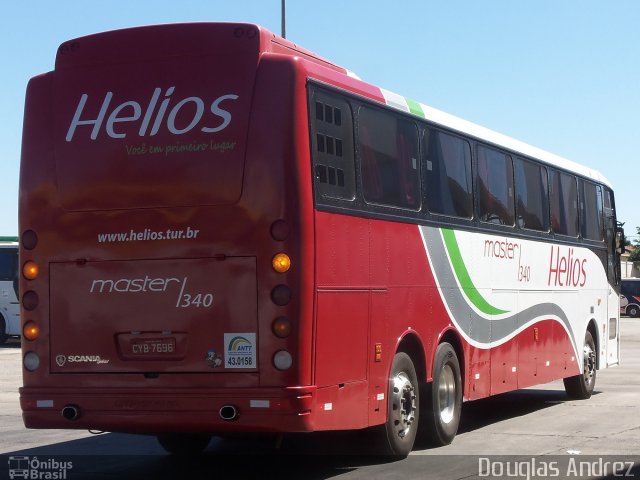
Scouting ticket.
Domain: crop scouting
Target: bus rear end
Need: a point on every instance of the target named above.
(162, 216)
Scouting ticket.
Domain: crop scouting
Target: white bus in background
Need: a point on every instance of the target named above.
(9, 304)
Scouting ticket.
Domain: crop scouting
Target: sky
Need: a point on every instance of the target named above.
(563, 75)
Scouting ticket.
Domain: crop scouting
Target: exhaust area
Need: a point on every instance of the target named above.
(71, 412)
(229, 413)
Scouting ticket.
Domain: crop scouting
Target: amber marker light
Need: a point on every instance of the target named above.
(281, 262)
(31, 331)
(281, 327)
(30, 270)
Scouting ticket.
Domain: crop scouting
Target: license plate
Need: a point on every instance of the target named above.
(153, 346)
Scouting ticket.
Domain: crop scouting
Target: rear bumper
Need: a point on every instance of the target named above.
(134, 411)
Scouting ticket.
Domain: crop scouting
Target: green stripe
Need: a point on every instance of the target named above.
(414, 107)
(464, 278)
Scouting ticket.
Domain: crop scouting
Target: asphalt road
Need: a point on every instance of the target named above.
(531, 433)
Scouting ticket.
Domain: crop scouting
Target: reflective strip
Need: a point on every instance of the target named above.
(395, 100)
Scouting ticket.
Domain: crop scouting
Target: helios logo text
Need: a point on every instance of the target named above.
(152, 119)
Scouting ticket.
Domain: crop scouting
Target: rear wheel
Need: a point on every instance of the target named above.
(403, 406)
(581, 386)
(3, 330)
(442, 417)
(633, 311)
(184, 443)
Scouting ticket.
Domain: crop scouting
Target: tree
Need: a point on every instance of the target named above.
(635, 254)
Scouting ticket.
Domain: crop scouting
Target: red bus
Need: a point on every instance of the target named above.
(223, 232)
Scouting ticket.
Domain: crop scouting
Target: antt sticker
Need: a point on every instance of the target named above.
(240, 350)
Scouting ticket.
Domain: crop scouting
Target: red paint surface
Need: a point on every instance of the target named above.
(355, 282)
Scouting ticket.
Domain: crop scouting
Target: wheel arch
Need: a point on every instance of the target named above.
(411, 344)
(451, 337)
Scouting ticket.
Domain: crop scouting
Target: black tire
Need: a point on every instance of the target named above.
(581, 386)
(3, 331)
(403, 407)
(184, 443)
(633, 311)
(441, 417)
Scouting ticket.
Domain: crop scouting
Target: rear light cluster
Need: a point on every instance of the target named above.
(30, 300)
(281, 295)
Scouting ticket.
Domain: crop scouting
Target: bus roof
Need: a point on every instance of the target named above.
(469, 128)
(272, 43)
(466, 127)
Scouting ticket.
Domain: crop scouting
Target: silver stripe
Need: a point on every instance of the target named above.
(480, 329)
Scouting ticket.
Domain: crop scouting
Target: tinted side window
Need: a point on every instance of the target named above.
(448, 182)
(495, 186)
(388, 148)
(332, 146)
(613, 265)
(564, 203)
(592, 219)
(532, 197)
(630, 287)
(8, 264)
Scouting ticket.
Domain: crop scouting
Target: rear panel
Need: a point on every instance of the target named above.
(157, 185)
(175, 315)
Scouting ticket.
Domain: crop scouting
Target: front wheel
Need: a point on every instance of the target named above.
(442, 417)
(184, 443)
(633, 311)
(403, 406)
(581, 386)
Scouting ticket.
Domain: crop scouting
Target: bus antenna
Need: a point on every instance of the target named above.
(284, 22)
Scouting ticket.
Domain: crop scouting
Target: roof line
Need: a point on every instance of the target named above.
(469, 128)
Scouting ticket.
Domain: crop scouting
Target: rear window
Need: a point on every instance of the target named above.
(157, 131)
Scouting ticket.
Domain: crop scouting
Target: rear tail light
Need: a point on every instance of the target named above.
(279, 230)
(31, 361)
(281, 262)
(30, 331)
(30, 300)
(30, 270)
(281, 295)
(281, 327)
(29, 239)
(282, 360)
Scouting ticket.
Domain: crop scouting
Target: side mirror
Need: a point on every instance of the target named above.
(619, 240)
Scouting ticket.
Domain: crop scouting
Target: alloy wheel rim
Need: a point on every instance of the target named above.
(589, 368)
(403, 406)
(447, 394)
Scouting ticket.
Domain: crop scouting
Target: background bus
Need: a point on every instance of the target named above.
(9, 304)
(249, 238)
(630, 297)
